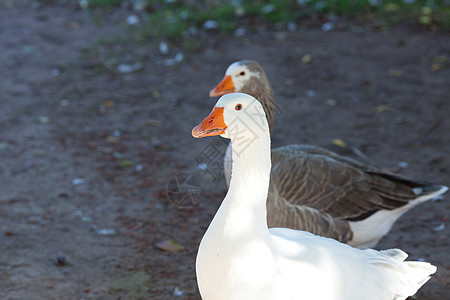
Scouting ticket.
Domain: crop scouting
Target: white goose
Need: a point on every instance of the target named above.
(319, 191)
(240, 258)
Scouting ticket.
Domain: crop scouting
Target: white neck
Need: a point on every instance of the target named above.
(243, 211)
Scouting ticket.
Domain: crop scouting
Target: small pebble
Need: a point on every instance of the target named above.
(179, 57)
(310, 93)
(291, 26)
(83, 4)
(139, 5)
(44, 119)
(64, 102)
(172, 61)
(78, 181)
(402, 164)
(107, 231)
(240, 32)
(86, 219)
(163, 48)
(202, 167)
(267, 9)
(60, 261)
(124, 68)
(184, 15)
(439, 227)
(132, 20)
(178, 292)
(210, 25)
(55, 72)
(327, 26)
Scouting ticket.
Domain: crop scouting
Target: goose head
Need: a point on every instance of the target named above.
(235, 116)
(247, 76)
(241, 76)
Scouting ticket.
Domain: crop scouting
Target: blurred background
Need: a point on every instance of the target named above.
(104, 194)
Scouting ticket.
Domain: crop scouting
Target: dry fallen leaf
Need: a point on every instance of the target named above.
(126, 163)
(436, 67)
(151, 123)
(425, 20)
(108, 104)
(156, 94)
(306, 59)
(440, 59)
(113, 139)
(330, 102)
(426, 10)
(75, 25)
(390, 7)
(383, 108)
(396, 73)
(169, 246)
(339, 143)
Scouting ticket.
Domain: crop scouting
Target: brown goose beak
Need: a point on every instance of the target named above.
(211, 125)
(224, 87)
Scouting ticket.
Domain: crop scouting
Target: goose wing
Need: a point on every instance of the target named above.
(341, 187)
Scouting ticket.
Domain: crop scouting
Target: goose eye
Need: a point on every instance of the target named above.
(238, 107)
(242, 73)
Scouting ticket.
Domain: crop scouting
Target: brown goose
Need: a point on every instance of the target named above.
(316, 190)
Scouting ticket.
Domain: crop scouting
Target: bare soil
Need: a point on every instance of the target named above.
(87, 153)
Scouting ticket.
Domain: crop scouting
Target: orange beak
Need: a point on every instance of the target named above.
(211, 125)
(224, 87)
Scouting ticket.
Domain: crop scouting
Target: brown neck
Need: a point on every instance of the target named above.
(264, 94)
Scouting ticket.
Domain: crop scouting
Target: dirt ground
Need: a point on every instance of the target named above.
(87, 153)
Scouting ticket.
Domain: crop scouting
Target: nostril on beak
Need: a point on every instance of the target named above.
(210, 121)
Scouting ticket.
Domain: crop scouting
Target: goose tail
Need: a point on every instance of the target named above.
(425, 193)
(418, 273)
(407, 276)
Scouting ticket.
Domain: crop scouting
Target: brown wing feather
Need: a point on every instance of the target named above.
(344, 188)
(280, 213)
